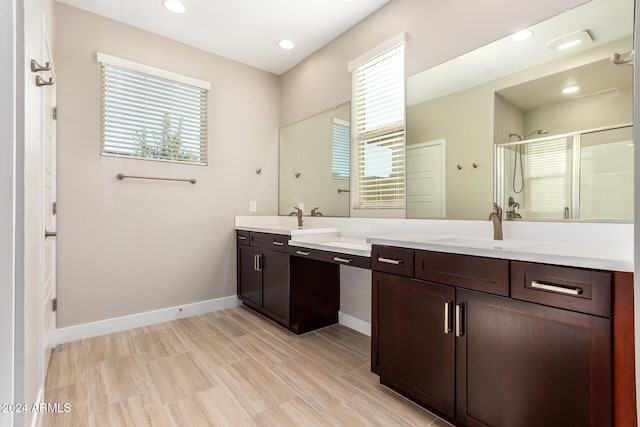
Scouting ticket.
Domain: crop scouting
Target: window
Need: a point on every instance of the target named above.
(379, 131)
(547, 177)
(341, 147)
(149, 113)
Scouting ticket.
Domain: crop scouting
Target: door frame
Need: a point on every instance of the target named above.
(443, 160)
(10, 93)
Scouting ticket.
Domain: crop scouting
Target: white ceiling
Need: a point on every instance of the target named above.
(246, 31)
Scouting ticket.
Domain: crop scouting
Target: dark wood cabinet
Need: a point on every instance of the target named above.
(415, 339)
(534, 348)
(249, 276)
(300, 294)
(525, 364)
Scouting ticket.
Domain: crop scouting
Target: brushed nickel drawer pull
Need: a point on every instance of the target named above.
(389, 260)
(242, 237)
(447, 318)
(259, 262)
(303, 253)
(459, 326)
(342, 260)
(276, 243)
(556, 288)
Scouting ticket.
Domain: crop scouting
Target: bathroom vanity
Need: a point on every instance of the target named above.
(489, 341)
(298, 287)
(483, 332)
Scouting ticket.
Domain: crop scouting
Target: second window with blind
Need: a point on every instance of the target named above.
(378, 118)
(152, 114)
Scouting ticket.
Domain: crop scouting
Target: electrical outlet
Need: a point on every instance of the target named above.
(253, 206)
(301, 205)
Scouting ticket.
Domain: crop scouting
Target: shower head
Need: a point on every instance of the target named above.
(536, 132)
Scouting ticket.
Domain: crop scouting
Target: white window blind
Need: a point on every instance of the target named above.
(151, 114)
(340, 163)
(379, 112)
(546, 176)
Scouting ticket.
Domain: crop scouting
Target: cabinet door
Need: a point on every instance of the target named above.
(275, 285)
(414, 340)
(525, 364)
(249, 276)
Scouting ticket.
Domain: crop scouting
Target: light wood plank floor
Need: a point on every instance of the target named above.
(231, 367)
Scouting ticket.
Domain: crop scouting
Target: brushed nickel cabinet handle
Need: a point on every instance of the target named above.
(459, 320)
(42, 82)
(447, 318)
(255, 263)
(259, 262)
(276, 243)
(36, 67)
(342, 260)
(389, 260)
(556, 288)
(242, 237)
(303, 253)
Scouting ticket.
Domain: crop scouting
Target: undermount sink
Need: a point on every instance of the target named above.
(482, 243)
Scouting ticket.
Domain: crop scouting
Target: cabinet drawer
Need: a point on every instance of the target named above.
(333, 257)
(243, 237)
(276, 242)
(477, 273)
(392, 260)
(586, 291)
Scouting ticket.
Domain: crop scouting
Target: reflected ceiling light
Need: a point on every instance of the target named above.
(286, 44)
(521, 36)
(570, 89)
(175, 6)
(580, 38)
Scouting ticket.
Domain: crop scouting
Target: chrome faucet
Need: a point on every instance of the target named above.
(297, 213)
(496, 217)
(316, 212)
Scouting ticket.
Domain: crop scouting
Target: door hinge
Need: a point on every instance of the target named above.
(54, 113)
(54, 305)
(54, 208)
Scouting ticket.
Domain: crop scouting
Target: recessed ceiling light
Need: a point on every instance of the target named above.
(579, 38)
(521, 36)
(286, 44)
(570, 89)
(175, 6)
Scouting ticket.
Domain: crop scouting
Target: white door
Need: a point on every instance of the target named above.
(39, 193)
(49, 187)
(425, 180)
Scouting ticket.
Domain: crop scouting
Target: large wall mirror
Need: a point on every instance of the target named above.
(505, 122)
(314, 164)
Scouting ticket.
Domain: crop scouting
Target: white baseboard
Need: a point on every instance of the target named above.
(354, 323)
(117, 324)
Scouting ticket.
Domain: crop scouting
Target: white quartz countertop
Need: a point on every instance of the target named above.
(333, 243)
(287, 230)
(560, 253)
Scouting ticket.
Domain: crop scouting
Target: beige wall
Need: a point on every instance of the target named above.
(434, 34)
(307, 147)
(130, 246)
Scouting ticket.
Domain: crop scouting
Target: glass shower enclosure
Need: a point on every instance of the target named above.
(586, 175)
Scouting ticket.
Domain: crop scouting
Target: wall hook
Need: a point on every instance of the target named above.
(459, 167)
(475, 166)
(259, 171)
(297, 174)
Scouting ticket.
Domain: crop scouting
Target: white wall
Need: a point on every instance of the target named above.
(636, 198)
(130, 246)
(7, 202)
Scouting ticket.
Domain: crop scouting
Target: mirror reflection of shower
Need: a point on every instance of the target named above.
(518, 157)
